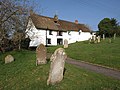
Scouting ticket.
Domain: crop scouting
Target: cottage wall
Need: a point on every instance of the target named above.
(84, 36)
(73, 36)
(51, 37)
(36, 36)
(54, 37)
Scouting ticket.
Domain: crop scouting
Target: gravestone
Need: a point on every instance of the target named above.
(98, 39)
(114, 36)
(65, 43)
(95, 39)
(41, 55)
(57, 66)
(92, 37)
(103, 36)
(9, 58)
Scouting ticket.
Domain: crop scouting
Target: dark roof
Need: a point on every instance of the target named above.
(43, 22)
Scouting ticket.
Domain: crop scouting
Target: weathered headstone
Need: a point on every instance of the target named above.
(98, 39)
(57, 66)
(41, 55)
(94, 38)
(103, 36)
(114, 36)
(65, 43)
(9, 58)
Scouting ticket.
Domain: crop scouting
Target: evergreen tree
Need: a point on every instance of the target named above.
(108, 27)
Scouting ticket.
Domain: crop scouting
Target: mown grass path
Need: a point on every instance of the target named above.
(95, 68)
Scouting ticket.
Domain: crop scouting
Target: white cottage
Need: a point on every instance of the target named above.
(52, 31)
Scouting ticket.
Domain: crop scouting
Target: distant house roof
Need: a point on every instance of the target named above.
(43, 22)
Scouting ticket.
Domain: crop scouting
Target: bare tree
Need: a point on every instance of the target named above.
(13, 21)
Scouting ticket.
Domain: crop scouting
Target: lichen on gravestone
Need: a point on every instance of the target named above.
(9, 58)
(57, 66)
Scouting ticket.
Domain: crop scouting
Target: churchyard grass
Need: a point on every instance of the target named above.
(24, 74)
(103, 53)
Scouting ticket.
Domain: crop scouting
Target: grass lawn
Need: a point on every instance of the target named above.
(24, 74)
(104, 53)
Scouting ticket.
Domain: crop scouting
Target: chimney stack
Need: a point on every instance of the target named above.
(55, 18)
(31, 12)
(76, 21)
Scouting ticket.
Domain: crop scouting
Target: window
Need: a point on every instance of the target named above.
(79, 32)
(59, 41)
(69, 32)
(59, 33)
(48, 41)
(50, 32)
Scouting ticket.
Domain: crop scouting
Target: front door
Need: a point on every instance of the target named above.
(59, 41)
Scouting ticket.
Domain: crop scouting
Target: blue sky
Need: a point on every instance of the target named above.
(88, 12)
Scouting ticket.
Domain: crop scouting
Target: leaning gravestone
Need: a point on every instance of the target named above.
(65, 43)
(9, 58)
(41, 55)
(57, 66)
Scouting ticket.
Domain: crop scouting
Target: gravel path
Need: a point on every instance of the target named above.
(95, 68)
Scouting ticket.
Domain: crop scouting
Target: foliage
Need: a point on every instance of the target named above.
(108, 27)
(24, 74)
(118, 31)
